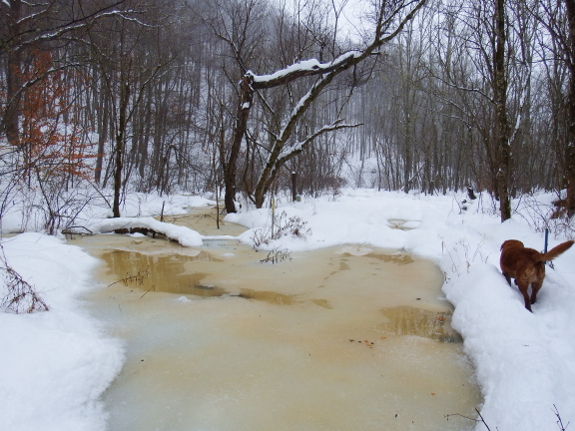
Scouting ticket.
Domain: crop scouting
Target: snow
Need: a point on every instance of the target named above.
(304, 66)
(135, 205)
(185, 236)
(55, 364)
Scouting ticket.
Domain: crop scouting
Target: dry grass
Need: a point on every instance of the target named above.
(20, 296)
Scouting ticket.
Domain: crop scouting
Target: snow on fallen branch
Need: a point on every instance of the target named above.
(148, 225)
(299, 69)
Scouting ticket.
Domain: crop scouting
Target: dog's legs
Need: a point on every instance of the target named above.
(508, 278)
(523, 289)
(534, 289)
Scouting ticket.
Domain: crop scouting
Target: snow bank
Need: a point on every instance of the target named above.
(523, 375)
(54, 365)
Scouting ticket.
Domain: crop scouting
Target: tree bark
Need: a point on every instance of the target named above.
(570, 149)
(102, 136)
(120, 143)
(230, 165)
(13, 78)
(502, 123)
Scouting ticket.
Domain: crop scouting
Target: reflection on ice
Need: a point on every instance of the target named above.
(406, 320)
(396, 257)
(267, 296)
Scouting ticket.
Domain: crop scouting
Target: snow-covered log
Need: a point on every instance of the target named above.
(181, 234)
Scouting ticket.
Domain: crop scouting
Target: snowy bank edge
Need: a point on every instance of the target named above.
(56, 364)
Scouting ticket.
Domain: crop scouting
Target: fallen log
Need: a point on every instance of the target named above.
(150, 227)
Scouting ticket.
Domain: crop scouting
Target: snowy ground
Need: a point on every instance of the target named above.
(54, 365)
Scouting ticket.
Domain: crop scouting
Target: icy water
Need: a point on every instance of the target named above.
(344, 338)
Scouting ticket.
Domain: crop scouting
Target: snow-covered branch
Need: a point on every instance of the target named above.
(314, 67)
(296, 148)
(35, 34)
(300, 69)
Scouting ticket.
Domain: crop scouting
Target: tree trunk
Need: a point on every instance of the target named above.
(102, 136)
(502, 124)
(120, 143)
(230, 165)
(13, 78)
(570, 150)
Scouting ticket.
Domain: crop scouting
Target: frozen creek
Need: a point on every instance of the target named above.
(343, 338)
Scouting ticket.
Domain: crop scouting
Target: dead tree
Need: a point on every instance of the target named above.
(24, 25)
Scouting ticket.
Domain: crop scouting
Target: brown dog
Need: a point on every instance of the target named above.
(527, 266)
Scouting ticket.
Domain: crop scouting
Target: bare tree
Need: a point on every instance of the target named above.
(24, 25)
(127, 67)
(389, 19)
(558, 19)
(487, 68)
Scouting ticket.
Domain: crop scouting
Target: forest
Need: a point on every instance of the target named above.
(255, 97)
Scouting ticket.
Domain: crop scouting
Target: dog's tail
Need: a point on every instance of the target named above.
(556, 251)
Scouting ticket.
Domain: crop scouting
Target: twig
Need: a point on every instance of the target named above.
(69, 231)
(471, 419)
(559, 421)
(482, 420)
(276, 256)
(138, 278)
(21, 296)
(153, 287)
(101, 194)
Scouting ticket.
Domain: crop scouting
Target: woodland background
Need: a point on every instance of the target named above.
(146, 95)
